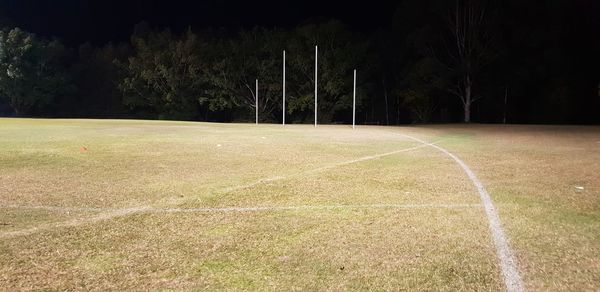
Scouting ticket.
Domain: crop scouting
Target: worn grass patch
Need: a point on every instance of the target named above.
(106, 181)
(339, 249)
(13, 219)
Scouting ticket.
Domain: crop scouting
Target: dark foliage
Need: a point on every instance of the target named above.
(438, 61)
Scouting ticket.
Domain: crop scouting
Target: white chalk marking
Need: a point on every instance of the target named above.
(312, 207)
(72, 223)
(113, 213)
(59, 208)
(242, 209)
(508, 264)
(323, 168)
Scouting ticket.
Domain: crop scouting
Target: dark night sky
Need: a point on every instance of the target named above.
(76, 21)
(547, 50)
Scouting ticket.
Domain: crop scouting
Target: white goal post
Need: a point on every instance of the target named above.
(316, 104)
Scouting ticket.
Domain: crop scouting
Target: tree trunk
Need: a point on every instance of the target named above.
(398, 111)
(505, 103)
(470, 28)
(18, 111)
(373, 110)
(385, 94)
(467, 102)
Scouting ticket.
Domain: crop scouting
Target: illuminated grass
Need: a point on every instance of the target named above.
(530, 171)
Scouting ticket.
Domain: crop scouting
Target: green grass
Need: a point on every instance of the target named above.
(530, 171)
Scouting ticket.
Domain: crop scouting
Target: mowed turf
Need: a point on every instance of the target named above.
(112, 204)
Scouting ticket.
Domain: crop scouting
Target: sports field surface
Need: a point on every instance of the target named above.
(149, 205)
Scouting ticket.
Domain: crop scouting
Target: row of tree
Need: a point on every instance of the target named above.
(440, 61)
(191, 77)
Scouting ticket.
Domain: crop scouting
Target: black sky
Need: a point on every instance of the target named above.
(100, 21)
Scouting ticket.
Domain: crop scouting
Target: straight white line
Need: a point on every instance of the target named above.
(242, 209)
(508, 264)
(312, 207)
(112, 213)
(323, 168)
(512, 278)
(370, 157)
(73, 222)
(59, 208)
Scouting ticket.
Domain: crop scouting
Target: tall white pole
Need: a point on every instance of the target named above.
(283, 112)
(354, 102)
(256, 101)
(316, 85)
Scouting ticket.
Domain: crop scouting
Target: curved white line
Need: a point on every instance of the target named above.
(512, 278)
(508, 264)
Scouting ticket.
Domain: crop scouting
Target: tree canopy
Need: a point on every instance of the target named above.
(32, 72)
(437, 61)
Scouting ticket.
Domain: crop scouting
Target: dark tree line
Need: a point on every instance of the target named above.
(439, 61)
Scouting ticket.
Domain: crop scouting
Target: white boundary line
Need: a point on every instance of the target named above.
(510, 271)
(508, 264)
(315, 207)
(145, 210)
(361, 159)
(73, 222)
(112, 213)
(243, 209)
(59, 208)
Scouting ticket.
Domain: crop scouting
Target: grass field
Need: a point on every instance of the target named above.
(137, 205)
